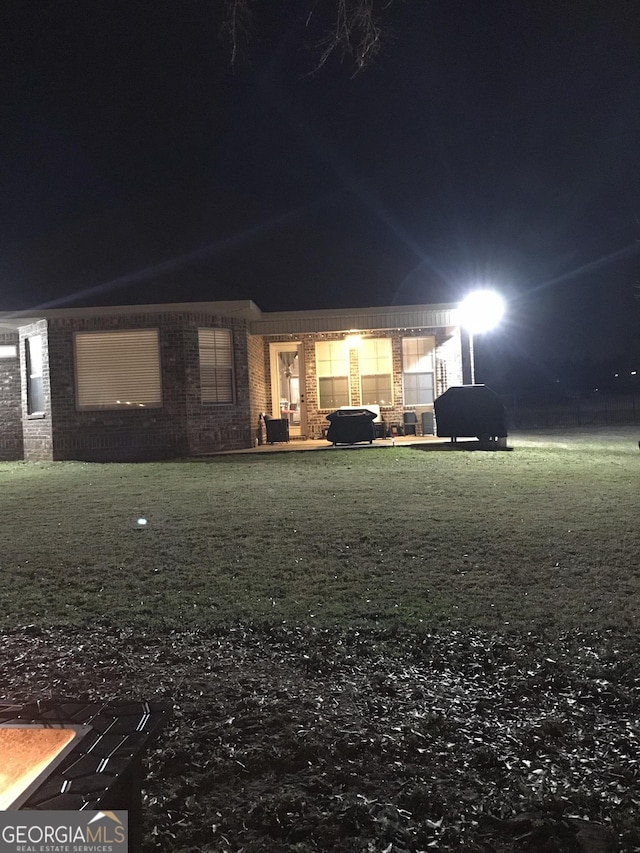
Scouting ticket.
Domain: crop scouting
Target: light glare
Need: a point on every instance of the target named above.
(481, 311)
(353, 341)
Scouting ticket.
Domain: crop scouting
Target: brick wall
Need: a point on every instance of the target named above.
(354, 378)
(105, 435)
(259, 396)
(11, 443)
(315, 422)
(182, 426)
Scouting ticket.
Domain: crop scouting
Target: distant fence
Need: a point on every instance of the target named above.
(597, 410)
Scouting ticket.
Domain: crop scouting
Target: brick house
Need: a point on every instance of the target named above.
(178, 380)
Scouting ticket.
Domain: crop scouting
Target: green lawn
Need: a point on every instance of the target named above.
(546, 535)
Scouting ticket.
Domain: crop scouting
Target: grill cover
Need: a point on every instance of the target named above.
(349, 426)
(470, 410)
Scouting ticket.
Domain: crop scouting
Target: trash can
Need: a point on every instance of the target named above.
(349, 426)
(466, 411)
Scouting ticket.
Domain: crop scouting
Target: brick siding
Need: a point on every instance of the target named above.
(257, 358)
(182, 426)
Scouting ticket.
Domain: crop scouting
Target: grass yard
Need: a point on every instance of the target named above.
(374, 649)
(546, 536)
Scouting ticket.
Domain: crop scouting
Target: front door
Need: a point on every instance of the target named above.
(287, 385)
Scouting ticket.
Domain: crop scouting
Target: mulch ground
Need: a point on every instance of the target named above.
(286, 739)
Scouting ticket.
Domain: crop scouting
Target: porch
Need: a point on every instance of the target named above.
(306, 444)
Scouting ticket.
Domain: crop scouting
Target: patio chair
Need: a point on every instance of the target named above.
(410, 421)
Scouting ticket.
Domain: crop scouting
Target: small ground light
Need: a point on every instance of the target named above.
(142, 521)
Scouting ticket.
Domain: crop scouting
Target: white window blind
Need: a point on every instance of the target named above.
(118, 370)
(8, 351)
(216, 365)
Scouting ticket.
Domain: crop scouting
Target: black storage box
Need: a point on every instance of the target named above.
(349, 426)
(465, 411)
(380, 429)
(277, 429)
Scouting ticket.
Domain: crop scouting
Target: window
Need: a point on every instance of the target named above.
(216, 365)
(118, 370)
(8, 351)
(417, 365)
(376, 371)
(35, 389)
(332, 367)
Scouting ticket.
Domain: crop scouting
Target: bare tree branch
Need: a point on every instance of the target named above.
(356, 32)
(354, 29)
(236, 26)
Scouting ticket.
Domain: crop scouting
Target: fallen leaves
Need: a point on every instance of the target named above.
(301, 739)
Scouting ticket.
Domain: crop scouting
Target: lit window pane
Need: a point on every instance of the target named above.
(376, 372)
(334, 392)
(35, 386)
(376, 390)
(332, 368)
(418, 389)
(332, 358)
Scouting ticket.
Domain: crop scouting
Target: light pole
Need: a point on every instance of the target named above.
(480, 311)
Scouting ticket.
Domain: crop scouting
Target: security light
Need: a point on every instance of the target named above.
(481, 311)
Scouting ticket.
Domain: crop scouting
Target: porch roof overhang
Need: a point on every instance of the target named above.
(356, 319)
(14, 321)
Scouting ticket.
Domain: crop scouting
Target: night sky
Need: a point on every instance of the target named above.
(491, 142)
